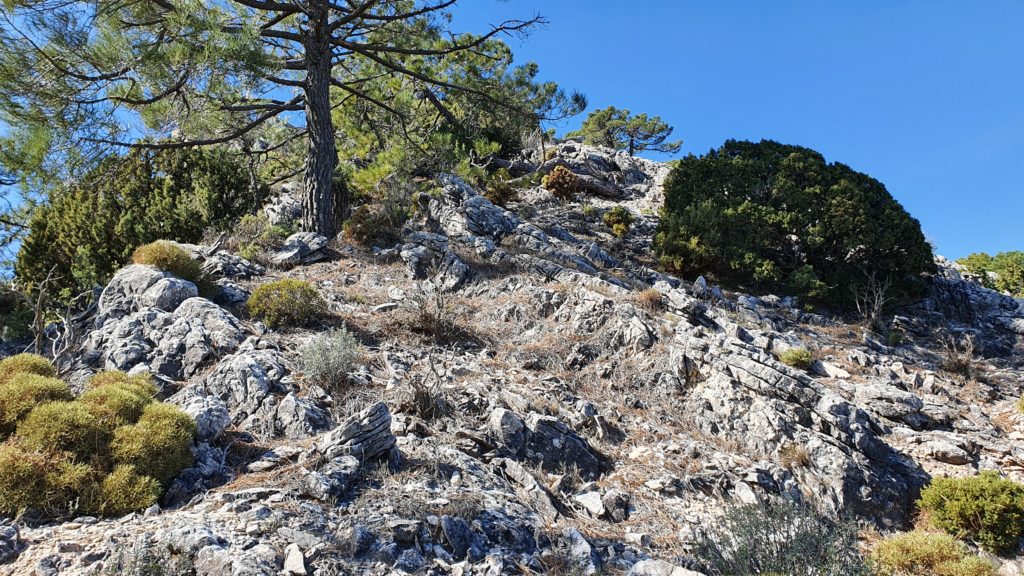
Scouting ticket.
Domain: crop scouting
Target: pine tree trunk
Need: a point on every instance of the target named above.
(318, 213)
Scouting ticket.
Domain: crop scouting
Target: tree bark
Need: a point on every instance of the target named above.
(318, 214)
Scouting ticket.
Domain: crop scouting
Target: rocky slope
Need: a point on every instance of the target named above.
(535, 397)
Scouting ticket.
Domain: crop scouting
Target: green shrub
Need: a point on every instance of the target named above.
(926, 554)
(124, 491)
(254, 237)
(141, 384)
(33, 479)
(1003, 272)
(66, 427)
(329, 358)
(562, 183)
(376, 224)
(1020, 405)
(780, 537)
(778, 218)
(158, 445)
(115, 405)
(15, 316)
(25, 363)
(88, 230)
(589, 210)
(619, 219)
(287, 302)
(170, 257)
(23, 392)
(797, 357)
(895, 338)
(498, 189)
(985, 508)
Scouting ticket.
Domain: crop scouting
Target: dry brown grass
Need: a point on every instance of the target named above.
(794, 455)
(649, 299)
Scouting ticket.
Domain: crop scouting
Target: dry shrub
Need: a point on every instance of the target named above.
(170, 257)
(562, 183)
(650, 299)
(794, 455)
(921, 553)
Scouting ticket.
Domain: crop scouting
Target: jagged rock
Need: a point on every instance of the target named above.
(167, 293)
(10, 543)
(223, 264)
(243, 381)
(508, 428)
(616, 505)
(532, 491)
(555, 447)
(300, 248)
(210, 414)
(331, 480)
(367, 436)
(294, 560)
(285, 207)
(659, 568)
(121, 295)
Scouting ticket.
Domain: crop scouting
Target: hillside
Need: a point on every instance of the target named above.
(533, 396)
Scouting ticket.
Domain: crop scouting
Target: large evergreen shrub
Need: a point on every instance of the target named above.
(768, 216)
(1003, 272)
(89, 229)
(986, 508)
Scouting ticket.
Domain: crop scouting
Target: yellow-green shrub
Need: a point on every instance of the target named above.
(562, 183)
(287, 302)
(498, 189)
(124, 491)
(66, 427)
(797, 358)
(619, 219)
(986, 508)
(23, 392)
(921, 553)
(33, 479)
(117, 398)
(30, 363)
(158, 445)
(170, 257)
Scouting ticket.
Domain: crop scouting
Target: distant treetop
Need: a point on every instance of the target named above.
(617, 128)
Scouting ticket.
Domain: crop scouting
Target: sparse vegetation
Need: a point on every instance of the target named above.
(798, 357)
(499, 190)
(562, 183)
(959, 355)
(376, 224)
(650, 299)
(254, 237)
(794, 455)
(329, 358)
(986, 509)
(286, 303)
(921, 553)
(780, 537)
(619, 219)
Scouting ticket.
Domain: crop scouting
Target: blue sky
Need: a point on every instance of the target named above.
(926, 96)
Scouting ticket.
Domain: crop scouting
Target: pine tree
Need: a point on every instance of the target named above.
(160, 74)
(616, 128)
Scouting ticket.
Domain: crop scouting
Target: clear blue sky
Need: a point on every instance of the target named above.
(926, 96)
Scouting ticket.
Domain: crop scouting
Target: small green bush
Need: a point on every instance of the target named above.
(170, 257)
(329, 358)
(921, 553)
(64, 426)
(23, 392)
(797, 357)
(777, 536)
(254, 237)
(115, 405)
(895, 338)
(985, 508)
(562, 183)
(619, 219)
(141, 384)
(158, 445)
(124, 491)
(33, 479)
(22, 363)
(287, 302)
(376, 224)
(498, 189)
